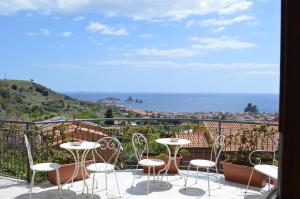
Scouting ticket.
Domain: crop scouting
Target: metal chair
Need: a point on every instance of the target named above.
(107, 164)
(41, 167)
(271, 171)
(140, 146)
(207, 164)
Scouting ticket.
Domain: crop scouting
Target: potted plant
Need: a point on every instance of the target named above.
(62, 156)
(236, 166)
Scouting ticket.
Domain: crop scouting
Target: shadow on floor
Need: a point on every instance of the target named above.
(192, 191)
(154, 186)
(52, 194)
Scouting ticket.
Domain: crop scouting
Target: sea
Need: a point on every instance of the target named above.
(188, 102)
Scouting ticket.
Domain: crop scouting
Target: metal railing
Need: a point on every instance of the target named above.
(46, 136)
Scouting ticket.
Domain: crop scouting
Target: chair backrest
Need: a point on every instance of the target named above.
(217, 148)
(109, 150)
(140, 145)
(28, 151)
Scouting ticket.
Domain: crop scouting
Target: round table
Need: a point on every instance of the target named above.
(177, 144)
(79, 158)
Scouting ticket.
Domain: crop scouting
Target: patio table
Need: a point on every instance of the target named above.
(79, 158)
(177, 143)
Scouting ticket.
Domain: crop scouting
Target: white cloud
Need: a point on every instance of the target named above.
(225, 22)
(179, 52)
(190, 23)
(79, 18)
(223, 42)
(147, 36)
(190, 65)
(219, 29)
(66, 34)
(202, 44)
(221, 21)
(262, 73)
(248, 67)
(236, 7)
(135, 9)
(30, 34)
(105, 29)
(45, 31)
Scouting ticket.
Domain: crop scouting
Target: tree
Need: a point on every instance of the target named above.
(15, 87)
(109, 114)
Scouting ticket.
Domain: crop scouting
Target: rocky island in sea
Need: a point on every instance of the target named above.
(130, 99)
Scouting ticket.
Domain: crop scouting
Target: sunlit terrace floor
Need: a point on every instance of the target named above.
(12, 188)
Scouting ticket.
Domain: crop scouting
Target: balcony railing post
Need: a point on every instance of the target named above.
(27, 162)
(219, 134)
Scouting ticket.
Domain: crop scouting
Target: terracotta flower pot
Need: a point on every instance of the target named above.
(65, 173)
(172, 169)
(241, 174)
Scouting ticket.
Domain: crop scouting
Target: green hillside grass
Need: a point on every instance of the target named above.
(21, 99)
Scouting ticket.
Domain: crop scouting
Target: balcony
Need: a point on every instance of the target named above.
(46, 136)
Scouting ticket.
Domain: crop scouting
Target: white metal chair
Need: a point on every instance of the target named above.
(41, 167)
(207, 164)
(140, 146)
(107, 164)
(270, 170)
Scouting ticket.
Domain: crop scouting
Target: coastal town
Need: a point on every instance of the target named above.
(240, 116)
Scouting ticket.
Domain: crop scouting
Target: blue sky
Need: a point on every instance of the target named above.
(143, 45)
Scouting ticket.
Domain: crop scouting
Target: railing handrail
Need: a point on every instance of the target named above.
(137, 119)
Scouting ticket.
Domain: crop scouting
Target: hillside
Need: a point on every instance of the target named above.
(21, 99)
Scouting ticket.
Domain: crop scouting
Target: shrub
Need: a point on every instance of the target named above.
(4, 93)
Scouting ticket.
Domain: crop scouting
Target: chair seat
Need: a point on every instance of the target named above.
(151, 162)
(202, 163)
(45, 167)
(268, 170)
(100, 167)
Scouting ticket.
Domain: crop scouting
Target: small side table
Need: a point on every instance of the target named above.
(79, 158)
(178, 144)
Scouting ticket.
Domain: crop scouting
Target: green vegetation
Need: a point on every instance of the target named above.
(28, 100)
(248, 140)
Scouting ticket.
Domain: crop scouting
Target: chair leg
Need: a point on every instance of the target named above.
(58, 182)
(186, 177)
(197, 175)
(105, 181)
(208, 181)
(31, 184)
(154, 174)
(117, 183)
(218, 177)
(134, 175)
(249, 181)
(148, 180)
(96, 182)
(93, 186)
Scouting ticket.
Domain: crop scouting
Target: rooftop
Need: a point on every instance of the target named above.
(18, 189)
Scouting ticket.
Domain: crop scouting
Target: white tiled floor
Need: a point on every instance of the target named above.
(11, 188)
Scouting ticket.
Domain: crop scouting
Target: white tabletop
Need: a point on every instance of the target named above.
(169, 142)
(83, 146)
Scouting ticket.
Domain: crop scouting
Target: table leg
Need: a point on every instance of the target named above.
(175, 162)
(83, 171)
(76, 170)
